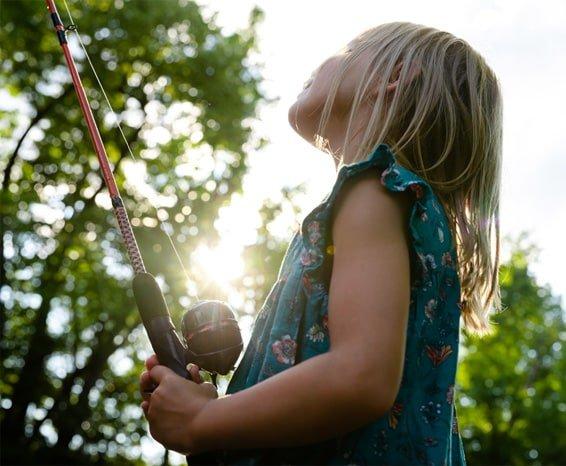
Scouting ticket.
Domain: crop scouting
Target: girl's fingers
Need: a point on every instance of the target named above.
(145, 407)
(194, 372)
(210, 389)
(151, 362)
(146, 385)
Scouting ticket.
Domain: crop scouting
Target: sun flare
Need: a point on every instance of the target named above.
(221, 264)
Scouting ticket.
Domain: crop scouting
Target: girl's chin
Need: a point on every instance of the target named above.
(292, 115)
(297, 122)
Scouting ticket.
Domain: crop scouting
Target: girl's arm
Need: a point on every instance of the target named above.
(358, 379)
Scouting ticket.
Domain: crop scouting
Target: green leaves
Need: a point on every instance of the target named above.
(71, 322)
(512, 393)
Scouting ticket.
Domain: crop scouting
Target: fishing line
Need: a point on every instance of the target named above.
(211, 337)
(73, 27)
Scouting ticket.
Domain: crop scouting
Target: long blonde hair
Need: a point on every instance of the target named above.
(444, 123)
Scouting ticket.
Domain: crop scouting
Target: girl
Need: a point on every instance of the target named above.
(353, 355)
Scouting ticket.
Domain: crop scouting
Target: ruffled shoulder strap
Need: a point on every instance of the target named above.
(428, 226)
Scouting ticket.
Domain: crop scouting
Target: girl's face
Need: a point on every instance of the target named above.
(304, 114)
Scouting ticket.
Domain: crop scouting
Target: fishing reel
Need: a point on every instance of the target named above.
(211, 336)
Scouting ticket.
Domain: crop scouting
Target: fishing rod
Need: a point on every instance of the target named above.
(211, 337)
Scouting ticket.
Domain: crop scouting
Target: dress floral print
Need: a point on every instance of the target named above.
(421, 427)
(284, 350)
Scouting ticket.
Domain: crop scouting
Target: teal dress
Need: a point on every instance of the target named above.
(421, 427)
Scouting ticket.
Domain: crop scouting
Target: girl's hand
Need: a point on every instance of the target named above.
(174, 405)
(147, 385)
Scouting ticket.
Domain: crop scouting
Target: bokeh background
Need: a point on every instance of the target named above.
(202, 91)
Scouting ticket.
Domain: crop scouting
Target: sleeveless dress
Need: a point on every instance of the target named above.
(421, 427)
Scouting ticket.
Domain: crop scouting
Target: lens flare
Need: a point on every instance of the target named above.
(221, 264)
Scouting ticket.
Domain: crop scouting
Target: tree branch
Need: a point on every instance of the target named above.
(32, 373)
(38, 116)
(4, 192)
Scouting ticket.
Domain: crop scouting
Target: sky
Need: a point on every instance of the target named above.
(522, 42)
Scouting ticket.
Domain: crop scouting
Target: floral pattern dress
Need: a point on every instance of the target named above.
(421, 427)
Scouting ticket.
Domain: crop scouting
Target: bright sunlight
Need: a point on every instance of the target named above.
(220, 264)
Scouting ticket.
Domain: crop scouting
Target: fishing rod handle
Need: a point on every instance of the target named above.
(158, 324)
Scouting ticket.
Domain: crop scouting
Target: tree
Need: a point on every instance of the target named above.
(186, 94)
(513, 403)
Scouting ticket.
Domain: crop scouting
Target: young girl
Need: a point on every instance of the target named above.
(353, 355)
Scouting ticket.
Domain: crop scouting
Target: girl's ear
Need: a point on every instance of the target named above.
(414, 71)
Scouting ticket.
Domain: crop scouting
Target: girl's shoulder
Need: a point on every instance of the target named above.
(429, 229)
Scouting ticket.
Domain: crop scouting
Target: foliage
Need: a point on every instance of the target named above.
(513, 403)
(186, 94)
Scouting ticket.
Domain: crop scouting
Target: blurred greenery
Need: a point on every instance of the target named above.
(512, 400)
(187, 95)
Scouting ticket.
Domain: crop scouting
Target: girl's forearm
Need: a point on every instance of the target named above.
(317, 399)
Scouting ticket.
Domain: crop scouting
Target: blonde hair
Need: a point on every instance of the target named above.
(444, 123)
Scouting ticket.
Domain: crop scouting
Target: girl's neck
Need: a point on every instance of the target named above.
(344, 153)
(336, 134)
